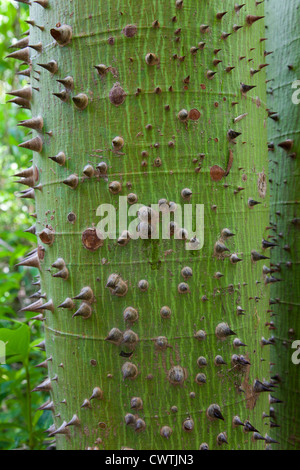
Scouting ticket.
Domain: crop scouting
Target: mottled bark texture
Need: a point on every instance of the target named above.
(283, 19)
(169, 106)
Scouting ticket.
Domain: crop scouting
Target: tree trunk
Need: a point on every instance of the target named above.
(283, 99)
(163, 114)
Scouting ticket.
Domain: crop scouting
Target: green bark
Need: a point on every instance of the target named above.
(282, 21)
(81, 357)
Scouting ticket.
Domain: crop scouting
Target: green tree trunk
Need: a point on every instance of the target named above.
(171, 88)
(283, 99)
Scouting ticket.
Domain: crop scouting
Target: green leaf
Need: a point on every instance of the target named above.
(4, 426)
(17, 341)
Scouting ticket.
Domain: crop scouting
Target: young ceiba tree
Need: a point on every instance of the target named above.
(150, 345)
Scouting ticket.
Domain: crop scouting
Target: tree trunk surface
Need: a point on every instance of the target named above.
(158, 93)
(283, 99)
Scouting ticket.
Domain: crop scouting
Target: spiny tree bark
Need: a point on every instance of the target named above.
(146, 99)
(282, 22)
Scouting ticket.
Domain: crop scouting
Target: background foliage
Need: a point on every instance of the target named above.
(21, 424)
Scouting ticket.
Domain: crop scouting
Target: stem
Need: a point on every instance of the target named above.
(28, 397)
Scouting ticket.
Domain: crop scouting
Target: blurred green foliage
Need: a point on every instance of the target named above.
(21, 424)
